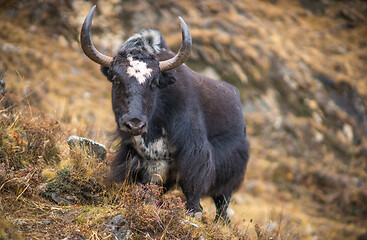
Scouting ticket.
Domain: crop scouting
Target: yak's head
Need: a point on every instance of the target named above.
(136, 73)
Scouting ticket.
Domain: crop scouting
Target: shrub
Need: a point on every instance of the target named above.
(26, 140)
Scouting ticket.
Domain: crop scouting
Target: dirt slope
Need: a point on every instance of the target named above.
(300, 67)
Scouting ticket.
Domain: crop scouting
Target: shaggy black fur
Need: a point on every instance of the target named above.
(200, 118)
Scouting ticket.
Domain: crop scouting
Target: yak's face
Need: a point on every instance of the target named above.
(135, 78)
(136, 74)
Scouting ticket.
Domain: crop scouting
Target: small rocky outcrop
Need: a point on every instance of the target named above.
(92, 148)
(119, 228)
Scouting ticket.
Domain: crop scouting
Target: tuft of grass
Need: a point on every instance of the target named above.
(149, 214)
(48, 174)
(8, 230)
(71, 182)
(26, 141)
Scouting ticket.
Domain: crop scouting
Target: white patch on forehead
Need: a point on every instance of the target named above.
(138, 69)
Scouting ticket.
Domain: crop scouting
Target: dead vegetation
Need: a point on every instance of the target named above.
(32, 182)
(300, 67)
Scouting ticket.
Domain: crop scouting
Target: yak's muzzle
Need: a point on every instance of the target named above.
(133, 127)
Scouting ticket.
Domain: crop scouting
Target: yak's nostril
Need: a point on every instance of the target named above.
(128, 125)
(135, 124)
(141, 125)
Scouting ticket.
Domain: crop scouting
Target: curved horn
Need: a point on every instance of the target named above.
(87, 45)
(183, 53)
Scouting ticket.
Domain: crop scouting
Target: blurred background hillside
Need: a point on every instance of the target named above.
(300, 66)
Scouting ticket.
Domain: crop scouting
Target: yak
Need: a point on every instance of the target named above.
(176, 125)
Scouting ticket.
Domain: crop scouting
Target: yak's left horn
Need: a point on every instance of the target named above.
(183, 53)
(87, 45)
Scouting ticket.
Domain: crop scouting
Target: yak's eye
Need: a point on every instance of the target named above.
(154, 83)
(115, 80)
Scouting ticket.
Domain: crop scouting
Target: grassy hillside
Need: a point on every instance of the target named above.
(300, 67)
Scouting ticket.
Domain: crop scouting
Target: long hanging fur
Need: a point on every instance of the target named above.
(195, 135)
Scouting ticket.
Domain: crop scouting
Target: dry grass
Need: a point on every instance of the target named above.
(27, 186)
(307, 174)
(25, 141)
(7, 230)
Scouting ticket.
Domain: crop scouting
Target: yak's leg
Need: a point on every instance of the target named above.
(192, 194)
(196, 176)
(221, 203)
(193, 203)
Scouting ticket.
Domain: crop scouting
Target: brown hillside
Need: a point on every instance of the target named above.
(301, 68)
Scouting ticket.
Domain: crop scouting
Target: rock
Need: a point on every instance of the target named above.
(362, 236)
(75, 237)
(348, 15)
(92, 148)
(230, 212)
(198, 215)
(72, 198)
(21, 222)
(59, 199)
(184, 221)
(119, 228)
(47, 222)
(2, 85)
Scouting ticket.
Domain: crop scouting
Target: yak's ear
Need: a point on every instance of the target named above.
(166, 79)
(106, 71)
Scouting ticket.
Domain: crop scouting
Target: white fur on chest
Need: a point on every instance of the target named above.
(157, 171)
(153, 151)
(157, 156)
